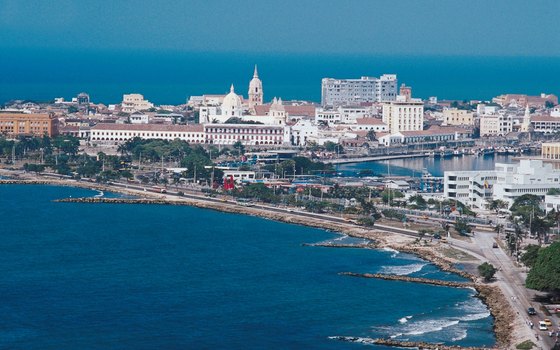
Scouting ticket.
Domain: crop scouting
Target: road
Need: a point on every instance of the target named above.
(511, 279)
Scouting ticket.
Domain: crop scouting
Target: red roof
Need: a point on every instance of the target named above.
(369, 121)
(149, 127)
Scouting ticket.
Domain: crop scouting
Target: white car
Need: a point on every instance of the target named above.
(543, 326)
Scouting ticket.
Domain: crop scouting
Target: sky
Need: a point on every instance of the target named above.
(379, 27)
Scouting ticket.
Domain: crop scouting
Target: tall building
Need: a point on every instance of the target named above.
(404, 114)
(353, 92)
(256, 96)
(16, 124)
(495, 124)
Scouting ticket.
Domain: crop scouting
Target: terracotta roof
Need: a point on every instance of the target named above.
(369, 121)
(545, 118)
(149, 127)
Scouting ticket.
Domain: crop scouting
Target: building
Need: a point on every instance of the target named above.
(530, 176)
(16, 124)
(138, 118)
(123, 132)
(545, 124)
(350, 92)
(247, 134)
(506, 182)
(135, 103)
(256, 96)
(457, 117)
(472, 188)
(496, 125)
(524, 100)
(550, 150)
(367, 124)
(404, 114)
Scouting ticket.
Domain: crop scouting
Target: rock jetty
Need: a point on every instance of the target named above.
(411, 279)
(403, 344)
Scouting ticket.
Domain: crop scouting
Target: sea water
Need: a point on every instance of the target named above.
(168, 77)
(115, 276)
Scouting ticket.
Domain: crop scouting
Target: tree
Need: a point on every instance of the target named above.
(238, 145)
(497, 204)
(487, 271)
(545, 274)
(530, 256)
(462, 226)
(553, 192)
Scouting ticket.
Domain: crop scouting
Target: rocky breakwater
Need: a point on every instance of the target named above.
(433, 282)
(403, 344)
(24, 182)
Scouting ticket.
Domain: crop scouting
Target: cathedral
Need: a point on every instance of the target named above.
(255, 90)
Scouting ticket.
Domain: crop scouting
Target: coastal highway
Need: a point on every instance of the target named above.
(271, 208)
(511, 280)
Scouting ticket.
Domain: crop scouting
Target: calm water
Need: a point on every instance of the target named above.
(435, 166)
(170, 77)
(156, 277)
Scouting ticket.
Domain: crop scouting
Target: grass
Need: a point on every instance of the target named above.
(526, 345)
(457, 254)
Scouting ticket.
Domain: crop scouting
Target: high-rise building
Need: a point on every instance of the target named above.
(352, 92)
(255, 90)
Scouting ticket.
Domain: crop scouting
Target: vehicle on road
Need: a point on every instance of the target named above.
(495, 245)
(548, 322)
(531, 311)
(543, 326)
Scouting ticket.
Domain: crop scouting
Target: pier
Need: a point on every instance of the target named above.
(372, 159)
(432, 282)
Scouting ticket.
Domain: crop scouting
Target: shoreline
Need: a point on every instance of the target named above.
(491, 295)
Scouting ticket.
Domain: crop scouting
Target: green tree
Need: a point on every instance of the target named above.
(497, 204)
(487, 271)
(530, 256)
(545, 274)
(462, 226)
(553, 192)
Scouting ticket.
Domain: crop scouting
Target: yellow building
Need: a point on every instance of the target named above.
(456, 117)
(15, 124)
(551, 150)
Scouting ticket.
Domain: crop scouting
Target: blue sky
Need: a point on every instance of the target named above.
(391, 27)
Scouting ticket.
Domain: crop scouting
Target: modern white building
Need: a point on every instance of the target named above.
(135, 103)
(472, 188)
(506, 182)
(530, 176)
(404, 114)
(350, 92)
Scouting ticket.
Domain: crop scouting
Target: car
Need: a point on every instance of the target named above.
(548, 322)
(495, 245)
(531, 311)
(543, 326)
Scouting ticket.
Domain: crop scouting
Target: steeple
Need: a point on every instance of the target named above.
(255, 90)
(231, 89)
(256, 73)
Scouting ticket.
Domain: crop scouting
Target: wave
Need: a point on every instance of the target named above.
(100, 194)
(402, 270)
(405, 319)
(474, 309)
(461, 334)
(429, 326)
(391, 250)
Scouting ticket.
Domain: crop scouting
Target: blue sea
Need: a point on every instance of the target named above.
(109, 276)
(167, 77)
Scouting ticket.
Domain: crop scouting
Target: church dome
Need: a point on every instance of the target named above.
(255, 85)
(232, 101)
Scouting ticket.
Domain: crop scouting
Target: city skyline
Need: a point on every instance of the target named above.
(503, 28)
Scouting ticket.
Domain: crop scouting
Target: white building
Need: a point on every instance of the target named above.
(545, 123)
(552, 202)
(248, 134)
(496, 124)
(404, 114)
(348, 92)
(135, 103)
(302, 130)
(367, 124)
(123, 132)
(472, 188)
(530, 176)
(138, 118)
(506, 182)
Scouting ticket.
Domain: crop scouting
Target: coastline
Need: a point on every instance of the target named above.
(491, 295)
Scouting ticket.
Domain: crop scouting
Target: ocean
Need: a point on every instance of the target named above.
(171, 77)
(113, 276)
